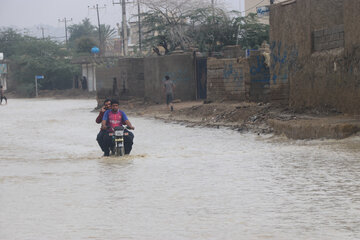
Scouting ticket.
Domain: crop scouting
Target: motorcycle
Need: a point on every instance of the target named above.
(118, 140)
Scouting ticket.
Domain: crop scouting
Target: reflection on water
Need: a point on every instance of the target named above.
(179, 183)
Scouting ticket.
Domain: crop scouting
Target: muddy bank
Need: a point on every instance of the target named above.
(251, 117)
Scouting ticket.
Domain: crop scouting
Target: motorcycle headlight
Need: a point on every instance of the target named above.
(118, 133)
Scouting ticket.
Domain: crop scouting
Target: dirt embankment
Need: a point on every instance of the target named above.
(240, 116)
(254, 117)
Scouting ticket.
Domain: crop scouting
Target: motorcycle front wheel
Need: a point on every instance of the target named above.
(119, 151)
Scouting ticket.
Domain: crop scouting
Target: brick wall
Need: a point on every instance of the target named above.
(227, 79)
(328, 38)
(240, 79)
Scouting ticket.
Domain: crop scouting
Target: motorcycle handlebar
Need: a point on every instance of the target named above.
(126, 127)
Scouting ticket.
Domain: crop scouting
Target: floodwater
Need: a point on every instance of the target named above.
(178, 183)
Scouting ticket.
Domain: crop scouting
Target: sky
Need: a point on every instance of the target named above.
(26, 13)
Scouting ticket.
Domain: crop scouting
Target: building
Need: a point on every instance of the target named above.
(3, 73)
(315, 55)
(257, 6)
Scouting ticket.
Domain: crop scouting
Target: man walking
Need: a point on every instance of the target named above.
(2, 96)
(169, 87)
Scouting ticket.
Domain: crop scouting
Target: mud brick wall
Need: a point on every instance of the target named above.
(259, 89)
(289, 40)
(350, 65)
(233, 51)
(227, 79)
(180, 69)
(351, 24)
(325, 79)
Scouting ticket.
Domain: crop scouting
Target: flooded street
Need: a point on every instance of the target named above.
(178, 182)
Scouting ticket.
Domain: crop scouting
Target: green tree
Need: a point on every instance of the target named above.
(166, 24)
(80, 31)
(207, 28)
(211, 29)
(30, 56)
(84, 44)
(250, 32)
(107, 33)
(84, 36)
(8, 40)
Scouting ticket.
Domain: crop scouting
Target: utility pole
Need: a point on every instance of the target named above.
(124, 26)
(213, 10)
(98, 18)
(42, 31)
(66, 21)
(139, 19)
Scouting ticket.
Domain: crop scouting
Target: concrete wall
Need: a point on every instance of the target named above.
(310, 68)
(180, 69)
(129, 74)
(88, 70)
(132, 77)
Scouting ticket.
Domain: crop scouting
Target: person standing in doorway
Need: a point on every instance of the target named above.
(169, 87)
(2, 96)
(84, 83)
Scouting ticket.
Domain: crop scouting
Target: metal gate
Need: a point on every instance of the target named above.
(201, 77)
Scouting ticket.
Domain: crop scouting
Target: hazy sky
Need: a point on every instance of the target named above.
(26, 13)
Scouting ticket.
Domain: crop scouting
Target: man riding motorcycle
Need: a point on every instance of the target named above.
(113, 118)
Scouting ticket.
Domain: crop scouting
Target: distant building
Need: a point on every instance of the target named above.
(113, 47)
(251, 6)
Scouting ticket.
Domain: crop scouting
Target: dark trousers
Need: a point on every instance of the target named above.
(100, 139)
(109, 144)
(3, 97)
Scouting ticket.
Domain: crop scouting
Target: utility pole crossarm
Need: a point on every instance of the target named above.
(65, 20)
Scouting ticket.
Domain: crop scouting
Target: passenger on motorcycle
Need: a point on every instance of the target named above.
(100, 136)
(114, 118)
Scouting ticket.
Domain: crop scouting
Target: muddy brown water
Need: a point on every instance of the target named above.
(178, 183)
